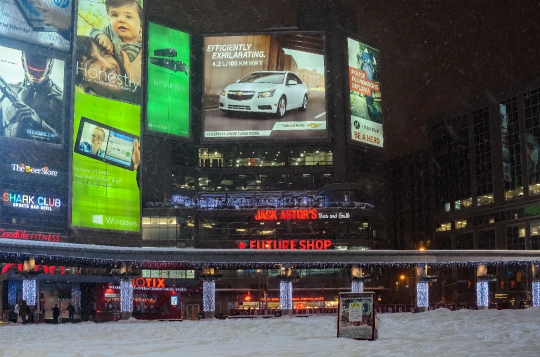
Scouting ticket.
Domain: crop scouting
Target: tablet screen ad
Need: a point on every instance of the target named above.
(167, 109)
(44, 22)
(265, 87)
(31, 96)
(365, 94)
(106, 156)
(109, 49)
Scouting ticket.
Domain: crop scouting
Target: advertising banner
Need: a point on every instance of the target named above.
(356, 316)
(365, 94)
(167, 109)
(269, 86)
(32, 103)
(106, 156)
(109, 43)
(44, 22)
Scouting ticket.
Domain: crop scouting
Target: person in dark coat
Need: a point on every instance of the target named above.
(23, 311)
(71, 311)
(55, 313)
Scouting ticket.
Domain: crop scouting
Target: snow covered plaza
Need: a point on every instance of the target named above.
(434, 333)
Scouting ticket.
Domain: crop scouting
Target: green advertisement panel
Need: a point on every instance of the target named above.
(168, 81)
(106, 156)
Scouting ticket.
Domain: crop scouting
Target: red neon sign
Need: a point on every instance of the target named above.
(148, 283)
(302, 244)
(46, 269)
(285, 214)
(24, 235)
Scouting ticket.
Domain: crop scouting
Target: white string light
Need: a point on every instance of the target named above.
(422, 294)
(536, 293)
(357, 286)
(209, 295)
(126, 296)
(482, 293)
(29, 291)
(285, 295)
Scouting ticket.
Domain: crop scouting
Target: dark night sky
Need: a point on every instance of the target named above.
(434, 57)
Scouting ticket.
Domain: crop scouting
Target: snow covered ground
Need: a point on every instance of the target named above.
(435, 333)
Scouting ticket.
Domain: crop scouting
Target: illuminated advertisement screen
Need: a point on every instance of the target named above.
(109, 49)
(365, 94)
(167, 109)
(32, 102)
(44, 22)
(106, 155)
(270, 86)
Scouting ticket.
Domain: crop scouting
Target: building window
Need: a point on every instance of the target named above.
(444, 243)
(535, 235)
(511, 149)
(482, 156)
(167, 228)
(531, 103)
(451, 151)
(444, 227)
(486, 239)
(464, 241)
(515, 237)
(461, 224)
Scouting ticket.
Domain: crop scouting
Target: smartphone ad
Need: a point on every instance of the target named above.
(264, 87)
(365, 94)
(109, 49)
(32, 102)
(167, 109)
(44, 22)
(106, 155)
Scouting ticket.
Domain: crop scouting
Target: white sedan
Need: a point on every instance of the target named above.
(265, 92)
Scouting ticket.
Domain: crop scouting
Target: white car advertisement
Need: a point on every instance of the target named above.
(270, 86)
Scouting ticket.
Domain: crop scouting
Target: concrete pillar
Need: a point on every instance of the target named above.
(422, 289)
(126, 299)
(209, 298)
(482, 287)
(535, 285)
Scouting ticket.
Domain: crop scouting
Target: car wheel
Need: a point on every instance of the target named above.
(226, 113)
(281, 107)
(303, 107)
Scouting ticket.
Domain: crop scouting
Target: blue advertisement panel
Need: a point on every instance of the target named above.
(43, 22)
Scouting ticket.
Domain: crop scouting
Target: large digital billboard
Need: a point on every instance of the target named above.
(365, 94)
(167, 109)
(44, 22)
(265, 86)
(109, 49)
(32, 101)
(106, 156)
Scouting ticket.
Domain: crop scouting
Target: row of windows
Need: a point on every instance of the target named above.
(516, 239)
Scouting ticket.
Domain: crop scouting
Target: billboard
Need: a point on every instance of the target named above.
(265, 86)
(109, 49)
(106, 156)
(356, 316)
(32, 102)
(167, 109)
(365, 94)
(44, 22)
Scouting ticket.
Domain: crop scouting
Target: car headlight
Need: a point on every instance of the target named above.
(267, 94)
(224, 93)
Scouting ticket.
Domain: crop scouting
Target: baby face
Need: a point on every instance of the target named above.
(126, 22)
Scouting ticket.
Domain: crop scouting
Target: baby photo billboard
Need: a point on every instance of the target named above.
(43, 22)
(167, 109)
(31, 102)
(267, 87)
(106, 154)
(109, 49)
(356, 316)
(365, 94)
